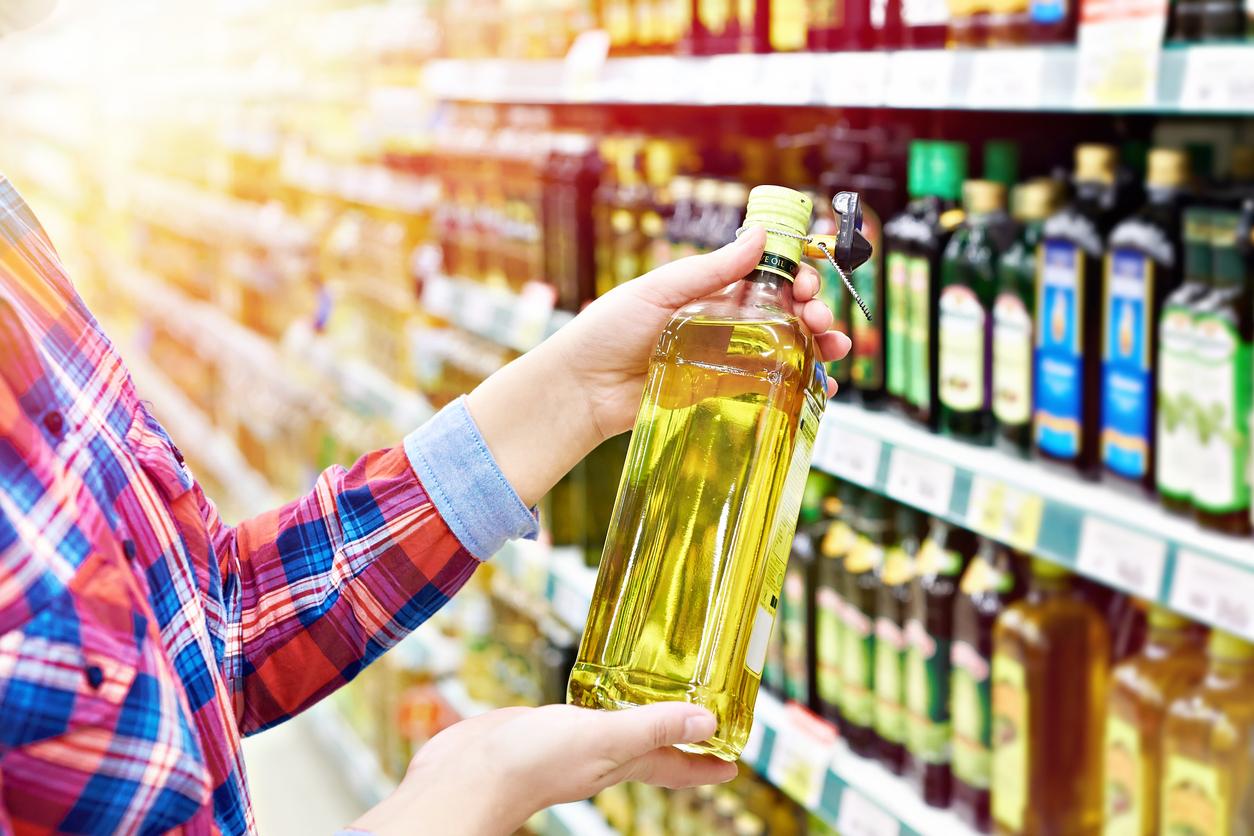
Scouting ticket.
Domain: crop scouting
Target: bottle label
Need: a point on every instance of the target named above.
(1059, 349)
(1012, 361)
(898, 325)
(857, 668)
(1177, 452)
(961, 349)
(927, 694)
(1126, 363)
(1221, 380)
(972, 715)
(1194, 800)
(1126, 782)
(868, 337)
(827, 643)
(778, 264)
(1048, 11)
(1010, 741)
(890, 658)
(919, 359)
(795, 618)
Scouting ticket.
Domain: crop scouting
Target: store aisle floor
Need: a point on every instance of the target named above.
(298, 788)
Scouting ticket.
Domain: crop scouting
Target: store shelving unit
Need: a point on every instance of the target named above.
(1194, 79)
(516, 320)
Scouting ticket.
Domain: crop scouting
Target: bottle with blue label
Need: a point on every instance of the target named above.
(1068, 329)
(1143, 266)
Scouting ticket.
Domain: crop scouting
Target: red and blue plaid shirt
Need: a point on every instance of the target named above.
(140, 636)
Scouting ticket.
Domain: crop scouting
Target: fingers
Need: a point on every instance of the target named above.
(817, 316)
(680, 282)
(833, 345)
(628, 734)
(806, 286)
(673, 769)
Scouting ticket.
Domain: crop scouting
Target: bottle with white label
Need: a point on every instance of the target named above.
(1013, 310)
(1143, 266)
(1176, 439)
(968, 285)
(1223, 331)
(1068, 329)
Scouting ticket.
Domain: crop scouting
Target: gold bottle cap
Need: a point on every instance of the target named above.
(1034, 200)
(747, 824)
(731, 193)
(1224, 645)
(682, 188)
(1166, 167)
(1042, 568)
(785, 213)
(1095, 163)
(983, 196)
(1165, 619)
(659, 162)
(706, 191)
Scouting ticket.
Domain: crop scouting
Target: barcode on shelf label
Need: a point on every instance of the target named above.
(1007, 514)
(1006, 78)
(801, 755)
(850, 454)
(1122, 558)
(923, 482)
(859, 816)
(1218, 78)
(920, 78)
(1214, 592)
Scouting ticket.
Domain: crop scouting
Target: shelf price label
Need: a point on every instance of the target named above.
(800, 758)
(753, 746)
(921, 78)
(1006, 78)
(1215, 592)
(918, 480)
(1218, 78)
(1004, 513)
(848, 453)
(859, 816)
(1118, 47)
(1121, 557)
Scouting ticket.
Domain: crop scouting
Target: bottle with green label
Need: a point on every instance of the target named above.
(1143, 266)
(901, 233)
(1068, 328)
(1013, 312)
(1223, 328)
(1171, 662)
(968, 282)
(837, 542)
(929, 640)
(857, 657)
(1051, 656)
(1177, 445)
(797, 601)
(892, 601)
(989, 584)
(1208, 747)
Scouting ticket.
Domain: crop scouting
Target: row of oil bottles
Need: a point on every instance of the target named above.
(1027, 699)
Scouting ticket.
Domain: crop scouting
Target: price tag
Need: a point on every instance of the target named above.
(848, 79)
(1004, 513)
(478, 311)
(584, 61)
(1119, 47)
(786, 78)
(1123, 558)
(1215, 592)
(1009, 79)
(920, 78)
(851, 454)
(923, 482)
(730, 79)
(1218, 78)
(859, 816)
(801, 755)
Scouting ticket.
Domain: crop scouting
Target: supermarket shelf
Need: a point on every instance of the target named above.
(1123, 541)
(1194, 79)
(516, 320)
(555, 575)
(359, 765)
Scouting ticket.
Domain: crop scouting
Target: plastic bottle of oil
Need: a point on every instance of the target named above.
(1050, 666)
(694, 563)
(1208, 762)
(1141, 689)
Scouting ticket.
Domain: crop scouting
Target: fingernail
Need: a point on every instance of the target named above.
(699, 727)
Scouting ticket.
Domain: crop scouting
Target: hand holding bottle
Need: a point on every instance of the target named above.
(545, 411)
(489, 774)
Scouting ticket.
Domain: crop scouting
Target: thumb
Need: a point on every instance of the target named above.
(632, 732)
(680, 282)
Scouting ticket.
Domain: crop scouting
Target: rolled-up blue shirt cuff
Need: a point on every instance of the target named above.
(464, 482)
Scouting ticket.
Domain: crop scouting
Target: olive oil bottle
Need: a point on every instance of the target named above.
(694, 562)
(891, 607)
(1050, 665)
(1208, 747)
(838, 539)
(1142, 687)
(857, 657)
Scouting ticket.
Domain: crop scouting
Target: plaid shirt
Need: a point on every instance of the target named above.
(140, 636)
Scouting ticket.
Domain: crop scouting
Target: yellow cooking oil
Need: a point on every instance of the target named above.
(707, 506)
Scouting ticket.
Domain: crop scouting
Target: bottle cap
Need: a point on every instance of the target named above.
(1167, 168)
(917, 168)
(1164, 619)
(731, 193)
(747, 824)
(785, 213)
(706, 191)
(979, 197)
(1095, 163)
(1001, 162)
(1034, 200)
(1048, 570)
(1224, 645)
(947, 168)
(682, 188)
(659, 162)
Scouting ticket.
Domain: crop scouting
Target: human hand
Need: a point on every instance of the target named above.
(489, 774)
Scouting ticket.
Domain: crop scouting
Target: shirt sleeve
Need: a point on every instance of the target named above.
(319, 588)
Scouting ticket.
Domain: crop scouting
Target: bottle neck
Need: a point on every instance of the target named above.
(1044, 587)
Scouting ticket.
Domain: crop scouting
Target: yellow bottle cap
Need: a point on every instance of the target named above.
(1166, 167)
(1042, 568)
(1034, 200)
(983, 196)
(785, 213)
(1095, 163)
(1226, 646)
